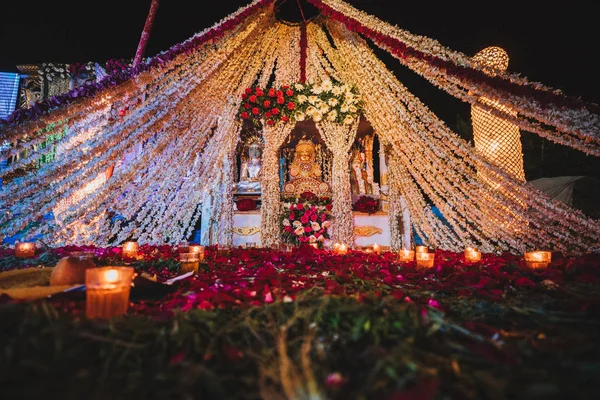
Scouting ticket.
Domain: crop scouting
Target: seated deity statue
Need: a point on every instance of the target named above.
(250, 170)
(305, 173)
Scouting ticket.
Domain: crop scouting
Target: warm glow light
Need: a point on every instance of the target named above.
(472, 255)
(425, 260)
(538, 259)
(406, 255)
(111, 276)
(25, 249)
(130, 249)
(340, 248)
(376, 248)
(107, 291)
(422, 249)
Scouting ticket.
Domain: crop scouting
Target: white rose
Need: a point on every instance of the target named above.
(299, 231)
(315, 226)
(286, 222)
(332, 102)
(297, 224)
(326, 224)
(312, 239)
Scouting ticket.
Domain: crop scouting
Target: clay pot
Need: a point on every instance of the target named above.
(71, 270)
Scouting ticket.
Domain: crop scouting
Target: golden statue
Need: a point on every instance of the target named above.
(305, 173)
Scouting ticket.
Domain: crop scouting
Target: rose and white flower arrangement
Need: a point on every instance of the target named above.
(328, 100)
(305, 219)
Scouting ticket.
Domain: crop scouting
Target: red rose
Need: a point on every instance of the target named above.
(258, 90)
(299, 206)
(289, 92)
(270, 122)
(285, 87)
(248, 91)
(291, 106)
(304, 219)
(280, 100)
(292, 216)
(272, 93)
(323, 217)
(268, 114)
(275, 111)
(288, 229)
(307, 229)
(285, 118)
(328, 206)
(255, 111)
(245, 115)
(279, 93)
(314, 217)
(244, 96)
(253, 99)
(247, 106)
(267, 103)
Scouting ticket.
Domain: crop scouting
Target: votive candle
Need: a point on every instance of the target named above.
(422, 249)
(189, 262)
(425, 260)
(406, 255)
(340, 248)
(130, 249)
(538, 259)
(376, 248)
(472, 255)
(25, 249)
(200, 250)
(107, 291)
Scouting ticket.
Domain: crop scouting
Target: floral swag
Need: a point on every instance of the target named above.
(305, 219)
(328, 100)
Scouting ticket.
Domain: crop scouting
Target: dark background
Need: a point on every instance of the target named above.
(555, 45)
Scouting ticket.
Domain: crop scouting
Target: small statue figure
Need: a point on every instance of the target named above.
(250, 170)
(305, 173)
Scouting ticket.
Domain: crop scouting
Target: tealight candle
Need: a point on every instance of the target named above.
(340, 248)
(376, 248)
(223, 251)
(422, 249)
(25, 249)
(107, 291)
(472, 255)
(183, 247)
(196, 248)
(425, 260)
(406, 255)
(130, 249)
(538, 259)
(189, 262)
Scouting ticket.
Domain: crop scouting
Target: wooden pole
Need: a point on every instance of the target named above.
(145, 33)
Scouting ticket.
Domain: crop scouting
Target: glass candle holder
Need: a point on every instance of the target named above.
(376, 248)
(472, 255)
(130, 249)
(107, 291)
(183, 247)
(200, 250)
(189, 262)
(223, 251)
(422, 249)
(425, 260)
(406, 255)
(538, 259)
(25, 250)
(340, 249)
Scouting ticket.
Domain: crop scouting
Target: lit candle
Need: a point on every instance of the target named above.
(425, 260)
(422, 249)
(342, 249)
(189, 262)
(196, 248)
(25, 249)
(472, 255)
(107, 291)
(130, 249)
(376, 248)
(406, 255)
(538, 259)
(183, 247)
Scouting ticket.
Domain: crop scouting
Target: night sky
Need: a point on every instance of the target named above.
(553, 45)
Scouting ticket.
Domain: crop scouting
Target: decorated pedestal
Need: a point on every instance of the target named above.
(368, 228)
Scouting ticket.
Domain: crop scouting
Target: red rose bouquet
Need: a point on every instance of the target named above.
(246, 204)
(366, 204)
(305, 219)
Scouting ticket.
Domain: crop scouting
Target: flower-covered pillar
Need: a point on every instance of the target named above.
(226, 215)
(339, 139)
(399, 215)
(274, 136)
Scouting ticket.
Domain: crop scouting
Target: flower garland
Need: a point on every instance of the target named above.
(51, 71)
(305, 219)
(335, 102)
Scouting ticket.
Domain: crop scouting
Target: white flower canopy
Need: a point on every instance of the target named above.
(183, 106)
